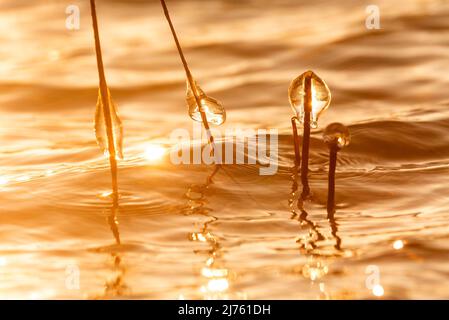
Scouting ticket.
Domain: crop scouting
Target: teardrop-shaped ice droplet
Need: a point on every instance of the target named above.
(321, 96)
(215, 113)
(101, 130)
(337, 133)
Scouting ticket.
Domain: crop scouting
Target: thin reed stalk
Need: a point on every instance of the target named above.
(104, 92)
(189, 75)
(306, 136)
(333, 149)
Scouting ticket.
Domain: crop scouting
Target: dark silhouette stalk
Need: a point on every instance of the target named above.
(333, 149)
(306, 136)
(105, 101)
(188, 74)
(296, 143)
(334, 231)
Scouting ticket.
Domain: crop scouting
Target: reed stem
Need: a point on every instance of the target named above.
(333, 149)
(306, 136)
(105, 100)
(189, 75)
(296, 142)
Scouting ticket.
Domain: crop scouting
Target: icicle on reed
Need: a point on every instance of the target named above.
(336, 136)
(309, 97)
(108, 126)
(201, 107)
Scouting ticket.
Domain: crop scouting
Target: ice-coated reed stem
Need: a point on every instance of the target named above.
(333, 150)
(306, 136)
(296, 142)
(105, 100)
(189, 75)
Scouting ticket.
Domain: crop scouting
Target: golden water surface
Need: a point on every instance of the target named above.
(172, 236)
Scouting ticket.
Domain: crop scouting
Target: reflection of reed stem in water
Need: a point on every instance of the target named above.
(215, 273)
(306, 136)
(196, 193)
(302, 217)
(115, 286)
(334, 228)
(296, 142)
(189, 75)
(104, 92)
(112, 220)
(212, 174)
(333, 149)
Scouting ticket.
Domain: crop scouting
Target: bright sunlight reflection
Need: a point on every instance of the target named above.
(378, 290)
(398, 244)
(23, 178)
(105, 194)
(214, 273)
(154, 152)
(3, 181)
(217, 285)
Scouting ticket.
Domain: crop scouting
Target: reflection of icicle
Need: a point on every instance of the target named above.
(315, 268)
(215, 275)
(115, 285)
(113, 222)
(313, 243)
(196, 194)
(310, 243)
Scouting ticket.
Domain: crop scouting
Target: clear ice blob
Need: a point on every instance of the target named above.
(337, 133)
(321, 97)
(215, 113)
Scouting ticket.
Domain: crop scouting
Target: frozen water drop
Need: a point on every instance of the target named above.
(215, 113)
(321, 96)
(337, 133)
(101, 128)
